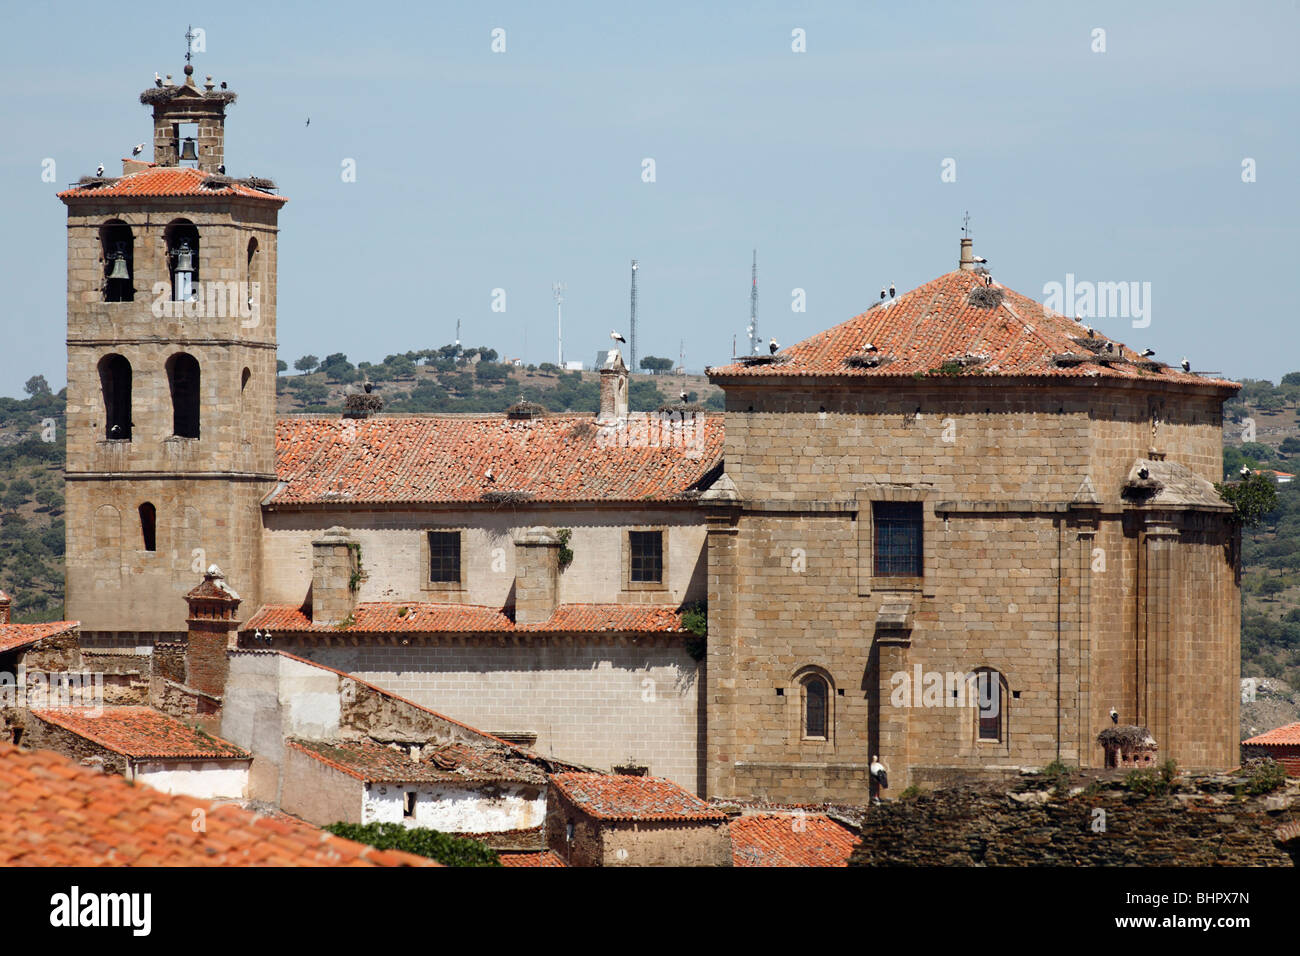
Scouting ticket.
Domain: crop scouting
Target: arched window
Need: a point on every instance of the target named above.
(115, 382)
(117, 249)
(183, 378)
(149, 526)
(816, 707)
(182, 240)
(990, 699)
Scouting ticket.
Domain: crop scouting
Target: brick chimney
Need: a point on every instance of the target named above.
(613, 389)
(5, 604)
(537, 575)
(967, 261)
(333, 564)
(212, 631)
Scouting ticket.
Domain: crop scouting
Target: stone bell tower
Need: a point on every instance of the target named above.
(171, 373)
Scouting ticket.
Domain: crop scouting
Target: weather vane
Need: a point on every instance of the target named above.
(190, 37)
(965, 224)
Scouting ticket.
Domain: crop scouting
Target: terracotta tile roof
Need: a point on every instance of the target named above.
(60, 814)
(1288, 734)
(160, 181)
(15, 636)
(790, 839)
(443, 459)
(545, 858)
(449, 763)
(937, 323)
(140, 732)
(384, 617)
(619, 797)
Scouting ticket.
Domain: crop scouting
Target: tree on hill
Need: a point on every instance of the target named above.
(307, 363)
(337, 368)
(36, 385)
(656, 365)
(281, 366)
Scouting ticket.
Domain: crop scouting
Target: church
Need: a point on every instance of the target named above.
(954, 532)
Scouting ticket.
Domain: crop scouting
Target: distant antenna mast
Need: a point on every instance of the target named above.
(754, 340)
(558, 290)
(190, 37)
(634, 268)
(965, 224)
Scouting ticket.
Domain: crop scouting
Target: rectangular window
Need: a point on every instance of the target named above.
(988, 687)
(896, 529)
(408, 804)
(647, 551)
(444, 556)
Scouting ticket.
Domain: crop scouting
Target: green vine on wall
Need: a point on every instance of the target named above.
(696, 620)
(354, 581)
(566, 553)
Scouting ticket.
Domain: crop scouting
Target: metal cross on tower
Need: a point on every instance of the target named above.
(190, 37)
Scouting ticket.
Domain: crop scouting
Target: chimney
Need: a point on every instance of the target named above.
(333, 585)
(537, 575)
(212, 631)
(613, 389)
(5, 604)
(967, 261)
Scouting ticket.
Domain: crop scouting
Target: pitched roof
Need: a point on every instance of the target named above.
(790, 839)
(939, 322)
(387, 616)
(1287, 734)
(455, 762)
(60, 814)
(444, 459)
(140, 732)
(15, 636)
(161, 181)
(544, 858)
(622, 797)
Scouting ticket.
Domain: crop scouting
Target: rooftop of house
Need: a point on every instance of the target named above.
(60, 814)
(141, 732)
(386, 616)
(790, 839)
(624, 797)
(17, 636)
(458, 762)
(542, 858)
(961, 324)
(556, 458)
(169, 181)
(1289, 734)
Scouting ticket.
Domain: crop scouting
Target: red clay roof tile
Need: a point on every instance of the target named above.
(459, 762)
(15, 636)
(936, 323)
(160, 181)
(101, 820)
(442, 459)
(790, 839)
(140, 732)
(384, 617)
(544, 858)
(1287, 734)
(620, 797)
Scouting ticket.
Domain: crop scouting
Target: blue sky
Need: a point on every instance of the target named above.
(479, 170)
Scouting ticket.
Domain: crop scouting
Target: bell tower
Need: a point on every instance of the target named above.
(171, 373)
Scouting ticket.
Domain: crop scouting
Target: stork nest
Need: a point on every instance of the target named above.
(681, 407)
(220, 181)
(867, 360)
(1150, 365)
(1126, 737)
(1093, 344)
(584, 430)
(985, 297)
(748, 360)
(1070, 359)
(94, 182)
(361, 404)
(163, 94)
(525, 409)
(507, 497)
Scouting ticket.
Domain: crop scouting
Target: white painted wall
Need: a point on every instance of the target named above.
(207, 781)
(453, 809)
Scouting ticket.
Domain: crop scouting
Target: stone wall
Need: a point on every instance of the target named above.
(591, 701)
(394, 559)
(1034, 566)
(1203, 823)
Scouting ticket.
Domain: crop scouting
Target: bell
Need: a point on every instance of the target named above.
(119, 268)
(188, 151)
(184, 258)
